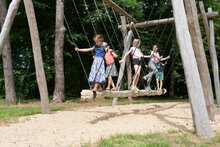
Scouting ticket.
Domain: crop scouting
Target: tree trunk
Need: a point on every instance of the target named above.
(59, 90)
(10, 95)
(12, 11)
(41, 79)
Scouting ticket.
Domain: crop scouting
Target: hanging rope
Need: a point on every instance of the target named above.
(80, 20)
(114, 28)
(90, 18)
(72, 41)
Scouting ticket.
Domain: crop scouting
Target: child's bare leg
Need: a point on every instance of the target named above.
(99, 86)
(95, 87)
(112, 83)
(109, 83)
(161, 85)
(158, 84)
(137, 76)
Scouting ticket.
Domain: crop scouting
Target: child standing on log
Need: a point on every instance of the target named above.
(97, 73)
(160, 72)
(111, 70)
(136, 55)
(154, 59)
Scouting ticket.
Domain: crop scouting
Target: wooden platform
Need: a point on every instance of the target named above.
(89, 94)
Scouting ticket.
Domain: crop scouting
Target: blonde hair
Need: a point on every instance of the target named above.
(98, 37)
(136, 43)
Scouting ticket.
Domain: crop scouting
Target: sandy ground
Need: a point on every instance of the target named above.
(88, 125)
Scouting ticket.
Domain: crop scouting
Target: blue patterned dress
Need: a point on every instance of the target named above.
(97, 73)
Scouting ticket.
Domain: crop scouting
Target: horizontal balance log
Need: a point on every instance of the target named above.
(89, 94)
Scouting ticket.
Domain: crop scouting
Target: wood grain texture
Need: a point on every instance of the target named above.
(40, 74)
(88, 94)
(194, 85)
(214, 59)
(199, 51)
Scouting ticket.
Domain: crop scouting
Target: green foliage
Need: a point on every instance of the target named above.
(75, 79)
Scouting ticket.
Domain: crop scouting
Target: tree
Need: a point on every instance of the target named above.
(40, 74)
(59, 90)
(10, 95)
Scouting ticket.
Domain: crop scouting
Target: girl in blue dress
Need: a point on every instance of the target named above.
(97, 74)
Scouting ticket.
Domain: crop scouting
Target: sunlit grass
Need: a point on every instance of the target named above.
(170, 139)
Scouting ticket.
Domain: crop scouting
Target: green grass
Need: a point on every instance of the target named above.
(170, 139)
(13, 112)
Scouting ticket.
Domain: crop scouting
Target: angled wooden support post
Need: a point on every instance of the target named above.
(194, 85)
(40, 74)
(12, 11)
(195, 32)
(120, 10)
(122, 65)
(214, 59)
(128, 60)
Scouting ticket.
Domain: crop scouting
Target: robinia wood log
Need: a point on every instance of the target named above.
(12, 11)
(120, 10)
(122, 65)
(170, 20)
(214, 59)
(89, 94)
(35, 39)
(194, 85)
(199, 51)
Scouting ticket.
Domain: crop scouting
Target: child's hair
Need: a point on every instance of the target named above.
(136, 43)
(154, 45)
(99, 37)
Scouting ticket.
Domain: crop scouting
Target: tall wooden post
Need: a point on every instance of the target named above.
(128, 60)
(199, 51)
(214, 59)
(12, 11)
(40, 74)
(122, 65)
(194, 85)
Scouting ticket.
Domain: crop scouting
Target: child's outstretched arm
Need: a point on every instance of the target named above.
(146, 56)
(84, 50)
(166, 58)
(125, 56)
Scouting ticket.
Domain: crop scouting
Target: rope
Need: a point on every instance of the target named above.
(80, 20)
(90, 18)
(74, 43)
(114, 28)
(106, 31)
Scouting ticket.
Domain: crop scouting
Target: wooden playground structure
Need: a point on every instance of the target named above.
(188, 34)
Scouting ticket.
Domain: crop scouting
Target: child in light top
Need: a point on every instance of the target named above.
(97, 73)
(154, 59)
(136, 55)
(111, 70)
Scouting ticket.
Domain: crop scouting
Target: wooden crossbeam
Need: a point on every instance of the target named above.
(170, 20)
(120, 10)
(89, 94)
